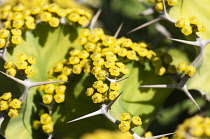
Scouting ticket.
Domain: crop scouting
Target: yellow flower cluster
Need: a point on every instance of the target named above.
(23, 65)
(190, 70)
(102, 56)
(9, 105)
(162, 63)
(193, 128)
(53, 92)
(17, 18)
(125, 125)
(99, 134)
(46, 123)
(159, 5)
(101, 92)
(190, 26)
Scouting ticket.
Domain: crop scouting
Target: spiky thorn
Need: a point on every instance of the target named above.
(103, 110)
(3, 53)
(162, 15)
(185, 90)
(50, 136)
(160, 28)
(144, 25)
(94, 19)
(159, 86)
(181, 86)
(199, 42)
(118, 31)
(28, 84)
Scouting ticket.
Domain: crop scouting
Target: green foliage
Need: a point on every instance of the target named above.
(52, 45)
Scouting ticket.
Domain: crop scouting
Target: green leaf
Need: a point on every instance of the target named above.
(186, 9)
(143, 102)
(49, 46)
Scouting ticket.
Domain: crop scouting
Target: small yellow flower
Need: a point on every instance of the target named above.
(98, 31)
(16, 39)
(11, 72)
(148, 134)
(159, 7)
(89, 46)
(160, 70)
(84, 32)
(124, 70)
(53, 8)
(29, 71)
(97, 83)
(61, 12)
(125, 116)
(46, 16)
(18, 23)
(97, 98)
(48, 128)
(30, 24)
(4, 33)
(54, 22)
(45, 118)
(15, 103)
(3, 105)
(190, 70)
(60, 89)
(59, 98)
(82, 41)
(13, 113)
(180, 23)
(74, 60)
(172, 2)
(124, 126)
(136, 121)
(186, 30)
(115, 86)
(181, 66)
(31, 60)
(47, 98)
(2, 42)
(83, 54)
(74, 17)
(115, 71)
(193, 20)
(122, 52)
(66, 71)
(36, 124)
(58, 67)
(113, 95)
(6, 96)
(8, 64)
(49, 88)
(77, 69)
(89, 91)
(16, 32)
(62, 77)
(201, 27)
(102, 88)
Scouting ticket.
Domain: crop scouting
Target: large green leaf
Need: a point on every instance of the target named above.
(186, 9)
(143, 102)
(49, 46)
